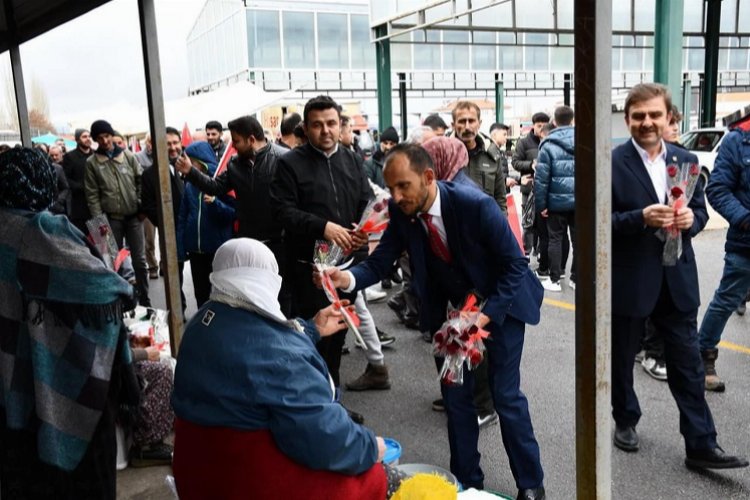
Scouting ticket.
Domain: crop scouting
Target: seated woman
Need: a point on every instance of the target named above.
(254, 404)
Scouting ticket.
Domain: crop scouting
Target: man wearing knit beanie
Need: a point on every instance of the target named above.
(74, 166)
(374, 165)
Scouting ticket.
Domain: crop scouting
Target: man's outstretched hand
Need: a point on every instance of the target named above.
(339, 278)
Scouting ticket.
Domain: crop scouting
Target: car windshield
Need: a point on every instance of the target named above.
(701, 140)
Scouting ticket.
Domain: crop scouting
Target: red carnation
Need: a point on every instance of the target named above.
(103, 230)
(475, 357)
(379, 207)
(439, 338)
(694, 170)
(676, 192)
(672, 171)
(452, 348)
(324, 247)
(464, 336)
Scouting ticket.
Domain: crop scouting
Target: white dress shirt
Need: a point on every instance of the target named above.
(657, 169)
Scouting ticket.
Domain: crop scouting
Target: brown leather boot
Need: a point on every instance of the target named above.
(375, 377)
(713, 382)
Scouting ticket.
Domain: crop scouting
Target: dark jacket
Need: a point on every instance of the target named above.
(251, 182)
(728, 190)
(149, 192)
(526, 152)
(219, 150)
(61, 199)
(374, 169)
(554, 180)
(309, 190)
(486, 169)
(637, 269)
(491, 260)
(203, 227)
(74, 165)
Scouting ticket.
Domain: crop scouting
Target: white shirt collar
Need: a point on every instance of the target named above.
(435, 210)
(327, 155)
(644, 154)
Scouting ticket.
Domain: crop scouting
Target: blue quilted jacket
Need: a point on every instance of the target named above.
(554, 181)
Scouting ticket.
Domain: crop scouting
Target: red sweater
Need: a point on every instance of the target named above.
(228, 464)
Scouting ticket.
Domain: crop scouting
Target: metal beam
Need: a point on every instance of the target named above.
(499, 99)
(668, 45)
(566, 88)
(711, 72)
(22, 108)
(385, 87)
(402, 105)
(167, 233)
(593, 194)
(687, 100)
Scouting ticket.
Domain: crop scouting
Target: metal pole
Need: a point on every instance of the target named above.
(167, 233)
(593, 194)
(385, 88)
(22, 107)
(402, 105)
(687, 98)
(668, 45)
(710, 87)
(499, 99)
(566, 88)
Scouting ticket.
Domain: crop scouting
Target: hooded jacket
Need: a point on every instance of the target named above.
(728, 190)
(203, 227)
(486, 169)
(554, 181)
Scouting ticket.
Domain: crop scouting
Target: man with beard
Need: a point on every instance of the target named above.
(146, 158)
(318, 192)
(443, 227)
(213, 137)
(248, 174)
(74, 166)
(485, 159)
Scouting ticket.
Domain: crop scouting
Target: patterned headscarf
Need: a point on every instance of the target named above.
(448, 155)
(27, 180)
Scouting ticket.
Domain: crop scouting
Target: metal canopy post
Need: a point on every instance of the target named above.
(668, 45)
(22, 107)
(687, 99)
(566, 88)
(708, 95)
(385, 88)
(402, 105)
(499, 99)
(167, 234)
(593, 195)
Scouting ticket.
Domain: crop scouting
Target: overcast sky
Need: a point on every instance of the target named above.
(96, 60)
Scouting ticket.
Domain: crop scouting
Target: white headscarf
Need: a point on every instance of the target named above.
(246, 274)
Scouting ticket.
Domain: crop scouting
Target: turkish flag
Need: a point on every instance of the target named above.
(514, 216)
(187, 137)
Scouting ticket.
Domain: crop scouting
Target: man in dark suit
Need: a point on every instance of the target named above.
(458, 241)
(643, 287)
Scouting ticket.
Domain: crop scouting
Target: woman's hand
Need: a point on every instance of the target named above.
(330, 320)
(381, 448)
(153, 353)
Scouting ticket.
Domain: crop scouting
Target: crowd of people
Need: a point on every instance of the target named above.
(257, 385)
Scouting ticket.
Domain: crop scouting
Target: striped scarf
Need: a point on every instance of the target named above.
(60, 329)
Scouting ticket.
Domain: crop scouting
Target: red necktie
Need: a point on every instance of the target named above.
(438, 246)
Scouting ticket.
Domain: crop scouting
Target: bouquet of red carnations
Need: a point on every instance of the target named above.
(460, 340)
(103, 239)
(681, 183)
(327, 255)
(375, 217)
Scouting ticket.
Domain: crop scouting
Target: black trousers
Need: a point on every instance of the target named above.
(685, 374)
(558, 248)
(201, 265)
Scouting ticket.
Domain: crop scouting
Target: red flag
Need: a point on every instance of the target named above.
(136, 146)
(228, 153)
(187, 137)
(514, 218)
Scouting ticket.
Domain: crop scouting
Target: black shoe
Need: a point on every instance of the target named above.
(626, 438)
(438, 405)
(427, 337)
(714, 459)
(345, 350)
(384, 338)
(531, 494)
(411, 322)
(396, 278)
(742, 309)
(386, 284)
(155, 454)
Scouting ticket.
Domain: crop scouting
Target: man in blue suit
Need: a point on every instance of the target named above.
(458, 241)
(643, 287)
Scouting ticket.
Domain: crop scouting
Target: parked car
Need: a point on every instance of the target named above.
(704, 143)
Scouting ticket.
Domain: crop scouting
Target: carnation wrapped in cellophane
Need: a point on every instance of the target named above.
(459, 340)
(681, 183)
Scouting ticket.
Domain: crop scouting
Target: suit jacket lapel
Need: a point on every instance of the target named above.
(635, 163)
(451, 224)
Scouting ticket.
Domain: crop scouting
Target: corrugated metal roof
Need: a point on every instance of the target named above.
(32, 18)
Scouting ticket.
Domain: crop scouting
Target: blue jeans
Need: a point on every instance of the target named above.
(735, 282)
